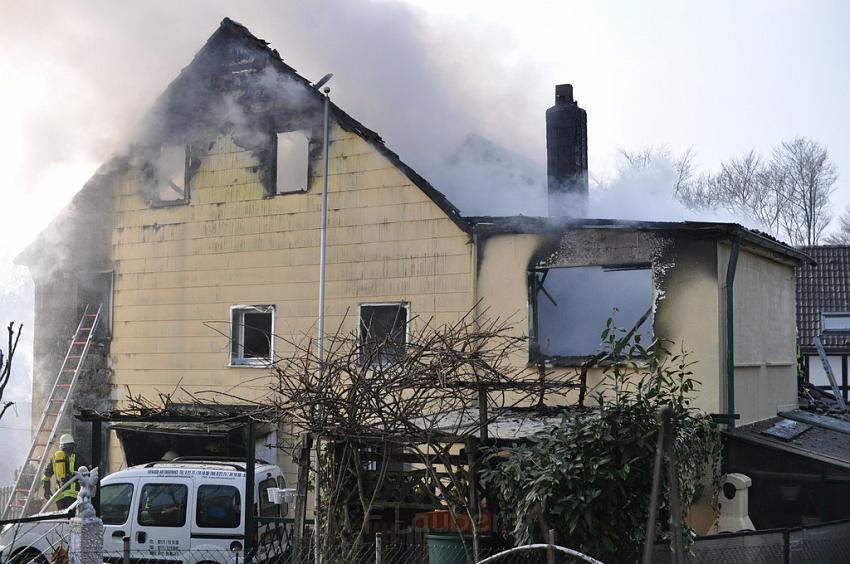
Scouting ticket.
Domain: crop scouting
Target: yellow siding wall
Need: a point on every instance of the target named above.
(181, 266)
(765, 336)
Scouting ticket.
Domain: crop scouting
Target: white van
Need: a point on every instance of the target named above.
(185, 510)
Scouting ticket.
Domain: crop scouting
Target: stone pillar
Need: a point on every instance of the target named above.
(86, 542)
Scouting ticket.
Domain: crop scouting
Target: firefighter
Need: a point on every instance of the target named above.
(63, 465)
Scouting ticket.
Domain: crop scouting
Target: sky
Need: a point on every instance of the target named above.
(721, 77)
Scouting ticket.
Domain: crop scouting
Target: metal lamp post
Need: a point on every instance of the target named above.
(321, 341)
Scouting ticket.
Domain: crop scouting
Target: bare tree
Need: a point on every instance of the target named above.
(803, 173)
(684, 172)
(788, 195)
(842, 235)
(6, 366)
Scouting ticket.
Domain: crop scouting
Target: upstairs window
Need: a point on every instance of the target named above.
(383, 332)
(171, 180)
(251, 331)
(571, 305)
(835, 322)
(293, 159)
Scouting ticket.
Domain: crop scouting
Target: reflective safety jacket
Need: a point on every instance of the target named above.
(63, 466)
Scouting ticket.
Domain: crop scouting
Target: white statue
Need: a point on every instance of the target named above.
(88, 486)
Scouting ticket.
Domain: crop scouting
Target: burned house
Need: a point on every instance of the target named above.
(203, 242)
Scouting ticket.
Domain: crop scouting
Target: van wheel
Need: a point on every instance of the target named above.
(28, 555)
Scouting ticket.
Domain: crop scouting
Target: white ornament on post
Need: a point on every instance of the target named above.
(86, 542)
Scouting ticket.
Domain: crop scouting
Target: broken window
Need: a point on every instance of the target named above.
(572, 304)
(251, 331)
(293, 158)
(383, 332)
(171, 180)
(835, 322)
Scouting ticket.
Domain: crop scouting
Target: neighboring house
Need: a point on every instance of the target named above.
(204, 240)
(823, 308)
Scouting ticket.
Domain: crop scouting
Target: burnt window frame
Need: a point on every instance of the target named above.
(360, 326)
(239, 360)
(312, 147)
(188, 164)
(535, 356)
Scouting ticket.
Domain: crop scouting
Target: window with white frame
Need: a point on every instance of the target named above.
(293, 160)
(383, 332)
(251, 335)
(835, 322)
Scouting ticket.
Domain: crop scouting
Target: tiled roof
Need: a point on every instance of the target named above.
(822, 287)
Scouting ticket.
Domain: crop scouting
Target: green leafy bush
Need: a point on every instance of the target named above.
(590, 479)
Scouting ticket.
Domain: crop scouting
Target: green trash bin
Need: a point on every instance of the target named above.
(446, 548)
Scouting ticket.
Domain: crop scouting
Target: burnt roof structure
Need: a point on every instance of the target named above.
(824, 286)
(697, 229)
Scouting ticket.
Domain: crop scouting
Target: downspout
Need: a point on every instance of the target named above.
(730, 331)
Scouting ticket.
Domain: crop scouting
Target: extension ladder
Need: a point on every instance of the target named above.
(26, 492)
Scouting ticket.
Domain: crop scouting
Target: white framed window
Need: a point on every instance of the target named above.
(172, 185)
(835, 322)
(251, 335)
(293, 161)
(382, 332)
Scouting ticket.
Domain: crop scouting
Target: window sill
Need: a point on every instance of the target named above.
(251, 364)
(169, 204)
(572, 361)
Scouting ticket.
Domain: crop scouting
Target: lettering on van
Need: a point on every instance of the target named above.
(175, 472)
(167, 547)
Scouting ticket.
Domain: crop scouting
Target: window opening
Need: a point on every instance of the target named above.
(115, 502)
(219, 507)
(293, 160)
(383, 332)
(163, 505)
(572, 304)
(171, 177)
(252, 328)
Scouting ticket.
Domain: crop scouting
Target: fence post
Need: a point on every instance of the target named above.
(378, 551)
(786, 546)
(550, 552)
(126, 550)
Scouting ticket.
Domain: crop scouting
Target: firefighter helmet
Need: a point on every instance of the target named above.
(66, 439)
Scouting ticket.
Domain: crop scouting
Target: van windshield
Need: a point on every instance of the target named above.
(115, 503)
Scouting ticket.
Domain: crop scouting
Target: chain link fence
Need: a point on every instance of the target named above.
(821, 544)
(818, 544)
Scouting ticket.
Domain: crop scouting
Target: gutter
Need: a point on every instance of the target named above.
(730, 332)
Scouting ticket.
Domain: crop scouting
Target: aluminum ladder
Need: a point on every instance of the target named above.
(27, 485)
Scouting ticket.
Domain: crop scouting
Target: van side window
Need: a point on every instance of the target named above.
(267, 508)
(163, 505)
(115, 503)
(219, 507)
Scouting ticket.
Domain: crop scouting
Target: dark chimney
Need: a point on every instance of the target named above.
(566, 154)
